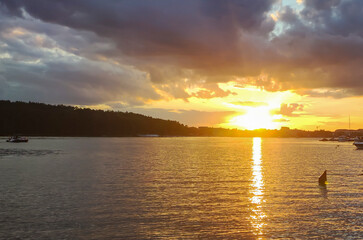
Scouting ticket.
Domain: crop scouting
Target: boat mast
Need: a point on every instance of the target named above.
(349, 122)
(349, 126)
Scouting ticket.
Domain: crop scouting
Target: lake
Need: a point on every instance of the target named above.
(179, 188)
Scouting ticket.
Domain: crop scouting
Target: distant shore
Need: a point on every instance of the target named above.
(39, 119)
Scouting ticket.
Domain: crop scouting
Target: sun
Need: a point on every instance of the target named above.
(255, 118)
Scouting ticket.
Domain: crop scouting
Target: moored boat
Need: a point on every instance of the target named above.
(358, 142)
(17, 139)
(345, 139)
(324, 140)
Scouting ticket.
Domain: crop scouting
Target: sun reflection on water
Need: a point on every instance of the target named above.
(256, 191)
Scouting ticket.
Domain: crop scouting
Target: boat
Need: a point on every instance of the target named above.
(17, 139)
(345, 139)
(148, 135)
(358, 142)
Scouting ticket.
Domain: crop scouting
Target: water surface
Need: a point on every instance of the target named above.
(179, 188)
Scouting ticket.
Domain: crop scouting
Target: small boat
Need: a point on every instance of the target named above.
(345, 139)
(358, 142)
(148, 135)
(17, 139)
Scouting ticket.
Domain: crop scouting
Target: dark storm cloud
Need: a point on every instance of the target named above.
(154, 28)
(186, 30)
(173, 44)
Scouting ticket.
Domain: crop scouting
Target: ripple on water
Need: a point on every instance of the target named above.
(26, 152)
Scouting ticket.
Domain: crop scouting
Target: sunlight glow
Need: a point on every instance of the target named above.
(255, 118)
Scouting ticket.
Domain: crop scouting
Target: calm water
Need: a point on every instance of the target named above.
(179, 188)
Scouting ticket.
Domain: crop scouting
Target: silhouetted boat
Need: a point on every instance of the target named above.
(17, 139)
(358, 142)
(345, 139)
(148, 135)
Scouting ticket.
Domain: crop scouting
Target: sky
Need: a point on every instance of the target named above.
(233, 63)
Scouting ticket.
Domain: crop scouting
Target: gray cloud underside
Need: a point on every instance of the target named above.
(42, 62)
(323, 47)
(165, 43)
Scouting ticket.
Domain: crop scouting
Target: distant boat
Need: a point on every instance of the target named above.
(17, 139)
(345, 139)
(324, 140)
(148, 135)
(358, 142)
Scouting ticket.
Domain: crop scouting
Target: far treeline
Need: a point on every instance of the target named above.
(38, 119)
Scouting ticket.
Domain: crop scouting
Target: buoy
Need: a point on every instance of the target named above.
(323, 179)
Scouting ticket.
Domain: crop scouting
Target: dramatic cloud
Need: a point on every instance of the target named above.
(289, 109)
(171, 41)
(322, 47)
(90, 52)
(39, 62)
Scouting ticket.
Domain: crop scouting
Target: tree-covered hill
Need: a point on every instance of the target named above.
(38, 119)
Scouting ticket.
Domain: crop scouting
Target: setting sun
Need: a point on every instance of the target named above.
(255, 118)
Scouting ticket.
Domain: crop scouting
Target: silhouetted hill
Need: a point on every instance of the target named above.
(50, 120)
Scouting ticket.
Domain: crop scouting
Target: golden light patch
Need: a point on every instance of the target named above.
(255, 118)
(18, 32)
(39, 40)
(14, 32)
(275, 16)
